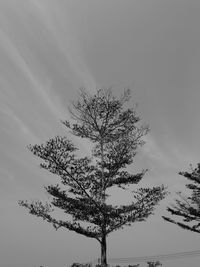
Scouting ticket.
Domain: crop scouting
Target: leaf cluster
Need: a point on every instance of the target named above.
(188, 208)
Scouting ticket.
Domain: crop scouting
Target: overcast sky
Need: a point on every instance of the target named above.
(50, 48)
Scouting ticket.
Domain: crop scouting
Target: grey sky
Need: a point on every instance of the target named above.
(48, 49)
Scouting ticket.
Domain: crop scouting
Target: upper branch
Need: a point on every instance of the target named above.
(124, 178)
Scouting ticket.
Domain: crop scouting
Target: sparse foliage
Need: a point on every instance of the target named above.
(154, 263)
(116, 134)
(188, 208)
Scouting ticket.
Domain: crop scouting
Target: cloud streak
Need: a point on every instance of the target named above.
(43, 91)
(67, 42)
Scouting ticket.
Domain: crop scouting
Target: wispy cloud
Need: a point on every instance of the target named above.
(155, 153)
(19, 125)
(48, 97)
(52, 16)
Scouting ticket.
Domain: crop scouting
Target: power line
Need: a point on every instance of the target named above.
(163, 257)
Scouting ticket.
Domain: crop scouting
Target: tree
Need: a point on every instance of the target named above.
(188, 208)
(116, 134)
(154, 263)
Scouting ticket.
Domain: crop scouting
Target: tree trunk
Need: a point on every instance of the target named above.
(103, 252)
(103, 240)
